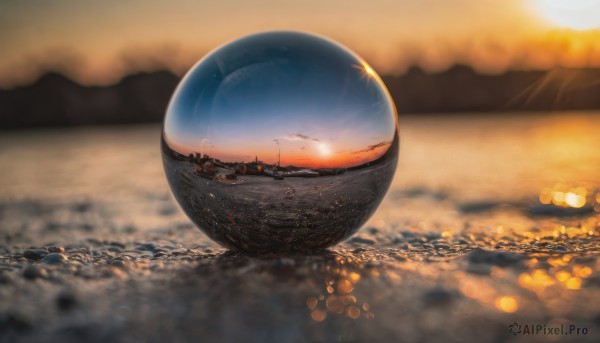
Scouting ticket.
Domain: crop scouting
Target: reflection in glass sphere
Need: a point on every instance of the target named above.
(280, 141)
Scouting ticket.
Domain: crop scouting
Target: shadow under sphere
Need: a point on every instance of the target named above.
(280, 141)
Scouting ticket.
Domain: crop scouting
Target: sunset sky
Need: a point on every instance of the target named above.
(99, 42)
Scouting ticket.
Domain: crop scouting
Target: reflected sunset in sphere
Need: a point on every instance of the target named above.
(280, 141)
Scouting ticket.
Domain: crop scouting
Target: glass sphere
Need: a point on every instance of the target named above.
(280, 141)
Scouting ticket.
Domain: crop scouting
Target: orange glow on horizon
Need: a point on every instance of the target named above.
(321, 156)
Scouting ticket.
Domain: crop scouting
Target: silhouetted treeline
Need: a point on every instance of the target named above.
(142, 98)
(460, 89)
(57, 101)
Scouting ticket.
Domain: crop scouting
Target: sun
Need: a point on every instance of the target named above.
(324, 149)
(573, 14)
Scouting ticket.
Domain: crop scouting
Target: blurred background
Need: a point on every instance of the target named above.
(79, 63)
(493, 217)
(498, 101)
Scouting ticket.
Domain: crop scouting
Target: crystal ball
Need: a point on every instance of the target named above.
(280, 141)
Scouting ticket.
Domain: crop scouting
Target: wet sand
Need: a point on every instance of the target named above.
(93, 247)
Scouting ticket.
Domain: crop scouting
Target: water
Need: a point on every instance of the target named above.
(505, 158)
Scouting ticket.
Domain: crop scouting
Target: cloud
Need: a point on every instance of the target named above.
(296, 137)
(372, 147)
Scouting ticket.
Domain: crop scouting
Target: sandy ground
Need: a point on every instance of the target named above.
(94, 248)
